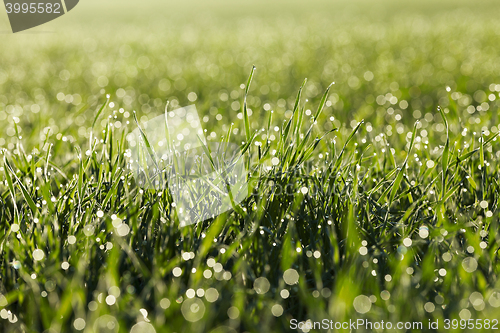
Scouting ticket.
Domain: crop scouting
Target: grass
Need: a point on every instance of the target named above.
(367, 200)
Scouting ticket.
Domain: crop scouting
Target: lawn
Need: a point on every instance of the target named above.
(373, 198)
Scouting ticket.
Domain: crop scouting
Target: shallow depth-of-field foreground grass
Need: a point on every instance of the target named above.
(373, 198)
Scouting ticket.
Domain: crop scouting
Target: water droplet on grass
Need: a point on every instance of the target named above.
(89, 230)
(429, 307)
(110, 300)
(469, 264)
(142, 327)
(79, 324)
(123, 230)
(362, 304)
(291, 276)
(165, 303)
(177, 271)
(38, 255)
(211, 295)
(193, 309)
(261, 285)
(277, 310)
(423, 232)
(3, 301)
(233, 312)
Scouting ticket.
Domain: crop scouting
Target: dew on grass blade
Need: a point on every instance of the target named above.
(38, 255)
(3, 301)
(429, 307)
(423, 232)
(233, 312)
(71, 239)
(115, 291)
(210, 262)
(123, 230)
(465, 314)
(261, 285)
(211, 295)
(89, 230)
(142, 327)
(477, 300)
(207, 274)
(494, 299)
(362, 304)
(79, 324)
(116, 221)
(16, 264)
(190, 293)
(177, 271)
(277, 310)
(291, 276)
(106, 324)
(144, 313)
(469, 264)
(193, 309)
(92, 305)
(165, 303)
(110, 300)
(218, 268)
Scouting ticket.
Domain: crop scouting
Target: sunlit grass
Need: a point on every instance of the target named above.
(367, 200)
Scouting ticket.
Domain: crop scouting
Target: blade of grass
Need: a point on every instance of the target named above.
(245, 107)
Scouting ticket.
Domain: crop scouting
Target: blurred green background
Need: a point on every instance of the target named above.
(382, 55)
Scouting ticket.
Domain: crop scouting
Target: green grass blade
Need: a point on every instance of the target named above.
(100, 110)
(25, 193)
(245, 108)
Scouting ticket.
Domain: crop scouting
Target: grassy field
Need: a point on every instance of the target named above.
(373, 198)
